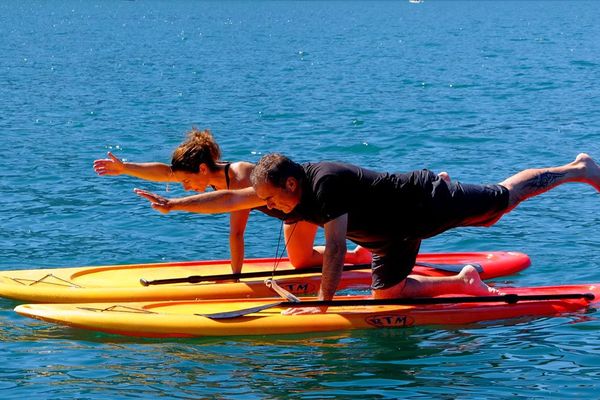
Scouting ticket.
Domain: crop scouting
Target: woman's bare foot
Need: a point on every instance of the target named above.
(359, 255)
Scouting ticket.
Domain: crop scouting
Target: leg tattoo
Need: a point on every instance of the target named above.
(544, 180)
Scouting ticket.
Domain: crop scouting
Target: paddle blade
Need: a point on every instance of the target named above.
(240, 313)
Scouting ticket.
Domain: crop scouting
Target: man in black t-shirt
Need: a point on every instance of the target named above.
(390, 214)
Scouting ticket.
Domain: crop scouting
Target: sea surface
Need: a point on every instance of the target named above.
(478, 89)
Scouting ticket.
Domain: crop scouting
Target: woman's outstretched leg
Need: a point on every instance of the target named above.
(300, 238)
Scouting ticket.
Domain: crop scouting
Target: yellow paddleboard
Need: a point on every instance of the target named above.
(122, 282)
(188, 318)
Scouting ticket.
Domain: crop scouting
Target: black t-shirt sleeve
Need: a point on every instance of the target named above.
(331, 194)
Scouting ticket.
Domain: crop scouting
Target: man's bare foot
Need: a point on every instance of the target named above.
(589, 169)
(445, 177)
(473, 285)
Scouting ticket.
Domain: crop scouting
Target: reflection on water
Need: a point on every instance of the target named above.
(478, 89)
(381, 363)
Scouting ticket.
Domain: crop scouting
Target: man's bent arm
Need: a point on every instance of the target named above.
(333, 257)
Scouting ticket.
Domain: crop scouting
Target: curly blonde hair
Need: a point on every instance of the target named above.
(200, 147)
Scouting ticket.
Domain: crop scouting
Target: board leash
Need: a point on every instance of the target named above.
(279, 257)
(270, 282)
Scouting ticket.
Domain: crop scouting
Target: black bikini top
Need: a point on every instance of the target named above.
(226, 176)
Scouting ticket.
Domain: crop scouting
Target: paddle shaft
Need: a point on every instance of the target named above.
(301, 271)
(506, 298)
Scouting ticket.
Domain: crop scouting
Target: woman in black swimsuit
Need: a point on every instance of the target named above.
(196, 164)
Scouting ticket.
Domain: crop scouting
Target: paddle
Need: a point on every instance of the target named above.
(506, 298)
(264, 274)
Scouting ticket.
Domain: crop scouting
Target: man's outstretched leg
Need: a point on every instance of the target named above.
(531, 182)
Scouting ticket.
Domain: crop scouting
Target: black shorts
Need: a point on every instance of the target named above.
(393, 262)
(448, 206)
(456, 204)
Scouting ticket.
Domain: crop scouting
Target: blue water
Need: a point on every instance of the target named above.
(478, 89)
